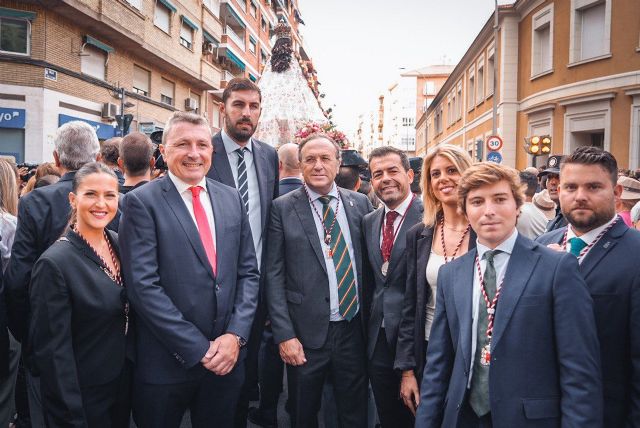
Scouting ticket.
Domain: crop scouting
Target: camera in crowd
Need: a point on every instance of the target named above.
(30, 170)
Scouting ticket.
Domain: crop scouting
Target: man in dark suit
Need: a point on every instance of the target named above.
(189, 264)
(43, 215)
(251, 166)
(513, 342)
(385, 275)
(289, 168)
(314, 288)
(607, 252)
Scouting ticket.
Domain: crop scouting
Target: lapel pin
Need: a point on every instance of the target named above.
(350, 202)
(606, 244)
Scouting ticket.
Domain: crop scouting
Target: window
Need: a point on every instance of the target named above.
(480, 81)
(253, 9)
(591, 27)
(459, 101)
(454, 106)
(167, 92)
(14, 35)
(471, 88)
(542, 41)
(186, 35)
(141, 79)
(263, 24)
(135, 3)
(429, 88)
(243, 5)
(252, 45)
(162, 17)
(213, 6)
(449, 111)
(93, 62)
(263, 57)
(491, 64)
(195, 100)
(215, 116)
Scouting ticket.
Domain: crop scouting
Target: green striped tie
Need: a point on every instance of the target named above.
(347, 292)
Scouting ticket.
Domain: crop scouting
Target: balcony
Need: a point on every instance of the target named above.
(235, 37)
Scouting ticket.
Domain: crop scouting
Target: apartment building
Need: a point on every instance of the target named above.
(565, 68)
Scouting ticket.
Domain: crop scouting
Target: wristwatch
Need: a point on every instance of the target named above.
(241, 341)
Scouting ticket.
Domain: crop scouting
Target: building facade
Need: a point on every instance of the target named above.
(566, 68)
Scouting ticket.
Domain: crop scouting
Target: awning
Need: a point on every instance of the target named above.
(235, 16)
(14, 13)
(189, 23)
(252, 77)
(234, 59)
(252, 39)
(168, 5)
(209, 38)
(98, 44)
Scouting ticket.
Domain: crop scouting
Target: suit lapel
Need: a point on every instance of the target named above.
(519, 268)
(374, 239)
(261, 165)
(220, 166)
(177, 206)
(412, 216)
(220, 223)
(463, 296)
(301, 205)
(602, 247)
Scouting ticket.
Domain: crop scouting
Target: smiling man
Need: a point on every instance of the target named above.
(192, 278)
(314, 288)
(385, 276)
(607, 250)
(513, 341)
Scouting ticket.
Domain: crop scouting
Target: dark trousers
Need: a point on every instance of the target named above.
(108, 406)
(342, 358)
(385, 382)
(271, 370)
(210, 400)
(469, 418)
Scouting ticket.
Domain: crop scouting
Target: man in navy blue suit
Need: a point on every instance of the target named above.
(192, 278)
(607, 251)
(513, 342)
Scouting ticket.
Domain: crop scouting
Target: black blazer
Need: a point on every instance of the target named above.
(77, 329)
(43, 215)
(386, 292)
(4, 335)
(289, 184)
(410, 352)
(297, 287)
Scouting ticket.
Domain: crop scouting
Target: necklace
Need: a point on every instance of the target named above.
(114, 276)
(485, 356)
(454, 229)
(444, 248)
(327, 232)
(586, 249)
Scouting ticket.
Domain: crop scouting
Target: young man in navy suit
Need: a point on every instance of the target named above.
(513, 342)
(607, 252)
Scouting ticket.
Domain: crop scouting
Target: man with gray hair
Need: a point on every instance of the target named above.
(43, 214)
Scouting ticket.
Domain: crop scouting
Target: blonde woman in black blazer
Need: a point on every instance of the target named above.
(79, 312)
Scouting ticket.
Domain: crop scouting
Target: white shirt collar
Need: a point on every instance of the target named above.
(230, 146)
(315, 195)
(591, 235)
(402, 208)
(182, 187)
(506, 246)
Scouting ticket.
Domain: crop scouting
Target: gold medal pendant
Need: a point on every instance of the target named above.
(485, 356)
(385, 268)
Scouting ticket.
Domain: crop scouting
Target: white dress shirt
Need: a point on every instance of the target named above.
(334, 303)
(255, 219)
(500, 262)
(588, 237)
(184, 190)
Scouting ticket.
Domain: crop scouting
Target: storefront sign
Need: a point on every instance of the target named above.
(104, 130)
(12, 118)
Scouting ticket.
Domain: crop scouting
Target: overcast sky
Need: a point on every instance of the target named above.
(358, 46)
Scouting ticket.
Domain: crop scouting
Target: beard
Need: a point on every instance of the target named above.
(589, 222)
(239, 134)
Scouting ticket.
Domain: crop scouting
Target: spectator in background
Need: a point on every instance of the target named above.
(531, 221)
(416, 166)
(543, 202)
(289, 168)
(44, 169)
(109, 153)
(136, 160)
(628, 198)
(552, 176)
(9, 347)
(367, 190)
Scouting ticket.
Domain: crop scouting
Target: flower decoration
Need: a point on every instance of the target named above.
(328, 128)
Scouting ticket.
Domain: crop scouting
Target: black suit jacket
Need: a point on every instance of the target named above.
(43, 215)
(289, 184)
(387, 292)
(612, 273)
(4, 335)
(410, 352)
(265, 160)
(297, 287)
(180, 304)
(77, 329)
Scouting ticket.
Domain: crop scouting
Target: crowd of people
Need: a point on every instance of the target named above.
(438, 292)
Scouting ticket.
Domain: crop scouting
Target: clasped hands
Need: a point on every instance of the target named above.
(222, 354)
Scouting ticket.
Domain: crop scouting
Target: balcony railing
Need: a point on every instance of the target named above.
(227, 75)
(237, 39)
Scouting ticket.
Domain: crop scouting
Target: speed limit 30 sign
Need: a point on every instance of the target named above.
(494, 143)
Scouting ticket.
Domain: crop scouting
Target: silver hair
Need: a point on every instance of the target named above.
(76, 144)
(180, 117)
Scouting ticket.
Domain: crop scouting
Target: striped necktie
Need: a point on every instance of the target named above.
(243, 184)
(347, 290)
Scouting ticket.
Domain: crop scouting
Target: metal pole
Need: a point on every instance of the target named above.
(495, 71)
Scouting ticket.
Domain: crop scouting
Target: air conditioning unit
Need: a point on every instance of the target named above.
(109, 111)
(208, 48)
(190, 104)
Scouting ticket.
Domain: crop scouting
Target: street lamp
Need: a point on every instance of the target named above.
(495, 68)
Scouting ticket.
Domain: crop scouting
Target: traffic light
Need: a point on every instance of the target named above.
(545, 148)
(538, 145)
(534, 145)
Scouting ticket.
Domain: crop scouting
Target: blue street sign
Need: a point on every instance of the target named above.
(12, 117)
(104, 130)
(494, 157)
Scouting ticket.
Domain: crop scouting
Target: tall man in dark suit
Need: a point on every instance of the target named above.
(289, 168)
(251, 166)
(385, 276)
(189, 264)
(43, 215)
(607, 251)
(513, 342)
(314, 287)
